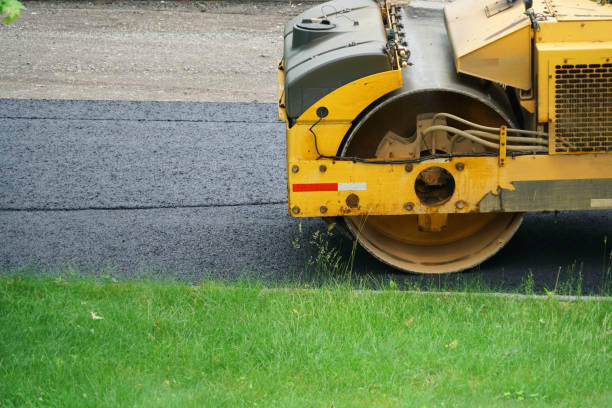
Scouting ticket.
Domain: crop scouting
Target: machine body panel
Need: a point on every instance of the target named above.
(485, 112)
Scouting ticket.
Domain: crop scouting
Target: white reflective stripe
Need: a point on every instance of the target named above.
(352, 186)
(601, 202)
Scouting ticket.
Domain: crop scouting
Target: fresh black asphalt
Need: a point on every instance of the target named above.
(188, 190)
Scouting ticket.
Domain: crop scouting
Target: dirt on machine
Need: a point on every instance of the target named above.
(428, 138)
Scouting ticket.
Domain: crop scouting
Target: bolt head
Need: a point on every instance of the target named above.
(460, 204)
(460, 166)
(323, 209)
(352, 201)
(295, 168)
(295, 210)
(408, 168)
(409, 206)
(322, 168)
(322, 112)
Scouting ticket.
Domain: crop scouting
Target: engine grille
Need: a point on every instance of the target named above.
(583, 108)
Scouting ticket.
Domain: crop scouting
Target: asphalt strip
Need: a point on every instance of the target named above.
(188, 190)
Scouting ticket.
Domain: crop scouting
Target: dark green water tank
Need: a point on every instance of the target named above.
(329, 46)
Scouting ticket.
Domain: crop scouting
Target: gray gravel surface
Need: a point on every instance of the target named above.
(83, 155)
(132, 50)
(189, 190)
(210, 50)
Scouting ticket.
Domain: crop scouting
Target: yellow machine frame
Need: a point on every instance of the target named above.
(388, 189)
(475, 177)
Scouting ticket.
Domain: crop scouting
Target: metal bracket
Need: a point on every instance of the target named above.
(503, 131)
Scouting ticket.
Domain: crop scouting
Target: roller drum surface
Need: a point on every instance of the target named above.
(431, 85)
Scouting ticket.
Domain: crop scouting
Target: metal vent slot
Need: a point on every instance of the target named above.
(583, 108)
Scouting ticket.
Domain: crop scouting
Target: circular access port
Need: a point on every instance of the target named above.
(316, 25)
(434, 186)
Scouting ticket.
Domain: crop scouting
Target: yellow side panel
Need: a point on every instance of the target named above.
(549, 55)
(507, 60)
(389, 189)
(301, 142)
(491, 40)
(574, 31)
(343, 105)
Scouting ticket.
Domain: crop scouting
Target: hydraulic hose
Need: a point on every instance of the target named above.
(487, 128)
(483, 142)
(518, 139)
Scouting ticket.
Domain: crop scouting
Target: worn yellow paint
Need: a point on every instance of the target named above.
(470, 29)
(390, 187)
(432, 222)
(555, 31)
(503, 132)
(344, 105)
(348, 101)
(529, 105)
(498, 48)
(507, 60)
(301, 145)
(551, 54)
(601, 202)
(495, 47)
(559, 42)
(576, 10)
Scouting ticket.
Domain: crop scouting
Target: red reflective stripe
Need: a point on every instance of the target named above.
(315, 187)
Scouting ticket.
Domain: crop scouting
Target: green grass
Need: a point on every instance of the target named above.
(176, 345)
(332, 262)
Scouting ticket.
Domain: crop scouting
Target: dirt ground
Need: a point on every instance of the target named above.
(145, 50)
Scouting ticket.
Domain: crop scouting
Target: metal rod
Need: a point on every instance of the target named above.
(482, 141)
(490, 129)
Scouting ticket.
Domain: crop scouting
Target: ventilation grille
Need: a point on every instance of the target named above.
(583, 108)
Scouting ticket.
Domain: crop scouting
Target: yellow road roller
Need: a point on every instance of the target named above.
(427, 137)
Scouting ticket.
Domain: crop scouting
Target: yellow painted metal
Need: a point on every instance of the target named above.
(560, 53)
(503, 132)
(575, 32)
(301, 145)
(280, 77)
(529, 105)
(554, 31)
(390, 187)
(496, 46)
(429, 223)
(407, 229)
(344, 105)
(573, 10)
